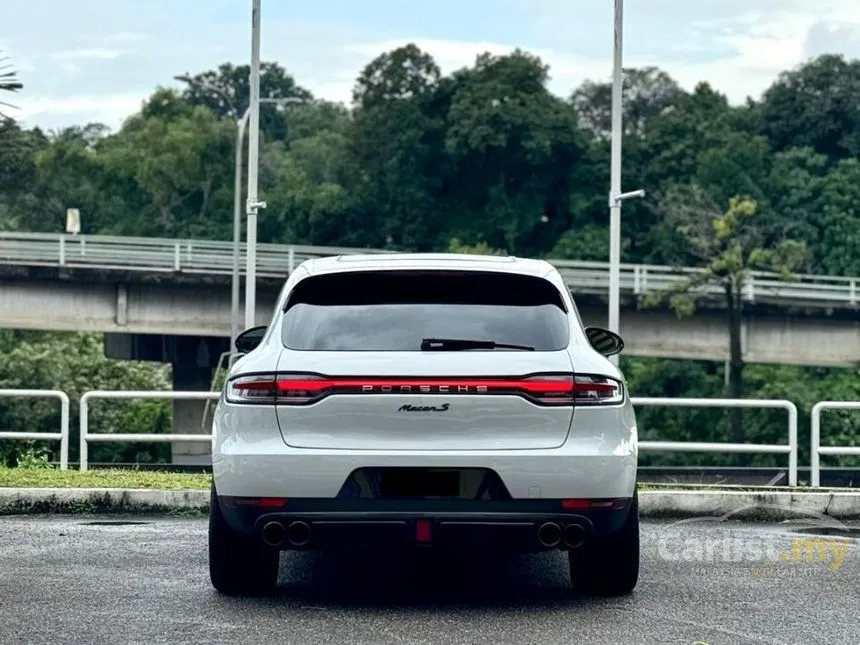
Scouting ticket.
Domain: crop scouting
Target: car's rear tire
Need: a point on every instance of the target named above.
(237, 565)
(609, 567)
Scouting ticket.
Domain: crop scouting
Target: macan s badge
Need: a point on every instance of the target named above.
(423, 408)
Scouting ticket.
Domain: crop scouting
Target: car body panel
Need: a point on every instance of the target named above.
(588, 452)
(398, 421)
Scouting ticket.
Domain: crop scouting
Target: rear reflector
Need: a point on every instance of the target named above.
(585, 504)
(422, 531)
(575, 504)
(255, 502)
(542, 389)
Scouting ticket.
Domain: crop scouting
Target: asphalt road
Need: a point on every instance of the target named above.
(64, 580)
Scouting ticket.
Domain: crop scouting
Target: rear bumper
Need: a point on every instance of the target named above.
(522, 526)
(597, 461)
(536, 475)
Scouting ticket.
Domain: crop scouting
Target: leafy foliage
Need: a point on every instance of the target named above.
(75, 363)
(8, 82)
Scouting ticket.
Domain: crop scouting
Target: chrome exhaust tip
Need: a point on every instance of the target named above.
(574, 536)
(298, 533)
(273, 534)
(549, 534)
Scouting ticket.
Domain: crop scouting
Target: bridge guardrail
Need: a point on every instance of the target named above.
(62, 436)
(276, 261)
(133, 437)
(816, 449)
(693, 446)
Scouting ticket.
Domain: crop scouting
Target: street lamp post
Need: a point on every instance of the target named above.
(615, 194)
(241, 125)
(253, 204)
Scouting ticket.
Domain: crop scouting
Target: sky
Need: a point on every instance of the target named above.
(87, 61)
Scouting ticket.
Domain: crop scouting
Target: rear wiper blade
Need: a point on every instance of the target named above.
(456, 344)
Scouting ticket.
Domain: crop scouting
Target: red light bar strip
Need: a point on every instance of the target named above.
(530, 386)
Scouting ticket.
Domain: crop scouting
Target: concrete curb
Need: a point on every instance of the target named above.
(18, 501)
(676, 504)
(749, 505)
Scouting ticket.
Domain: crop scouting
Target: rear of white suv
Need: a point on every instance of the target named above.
(425, 400)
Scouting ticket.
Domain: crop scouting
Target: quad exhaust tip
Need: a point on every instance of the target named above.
(549, 534)
(574, 536)
(298, 533)
(273, 534)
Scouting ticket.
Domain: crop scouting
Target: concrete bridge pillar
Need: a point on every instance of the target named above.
(190, 417)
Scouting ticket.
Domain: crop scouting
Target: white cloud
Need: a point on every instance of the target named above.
(95, 53)
(53, 112)
(737, 50)
(77, 69)
(126, 37)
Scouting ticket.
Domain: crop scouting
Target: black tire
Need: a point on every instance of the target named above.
(237, 565)
(609, 567)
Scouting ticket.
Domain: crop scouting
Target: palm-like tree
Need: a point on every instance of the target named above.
(8, 81)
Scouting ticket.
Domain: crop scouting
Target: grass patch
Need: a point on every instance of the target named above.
(136, 479)
(101, 478)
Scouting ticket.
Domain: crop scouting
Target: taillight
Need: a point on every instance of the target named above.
(253, 389)
(581, 389)
(281, 390)
(542, 389)
(549, 389)
(596, 390)
(302, 389)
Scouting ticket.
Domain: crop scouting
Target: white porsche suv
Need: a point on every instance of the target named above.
(425, 400)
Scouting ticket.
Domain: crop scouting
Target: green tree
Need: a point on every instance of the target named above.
(397, 147)
(819, 203)
(227, 93)
(173, 163)
(18, 174)
(727, 245)
(648, 92)
(69, 173)
(513, 146)
(814, 105)
(699, 140)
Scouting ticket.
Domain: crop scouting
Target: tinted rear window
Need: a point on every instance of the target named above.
(394, 311)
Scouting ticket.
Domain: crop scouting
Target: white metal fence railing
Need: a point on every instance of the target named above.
(694, 446)
(816, 449)
(128, 437)
(62, 436)
(277, 260)
(791, 448)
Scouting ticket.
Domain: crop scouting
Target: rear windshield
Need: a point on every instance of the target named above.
(394, 311)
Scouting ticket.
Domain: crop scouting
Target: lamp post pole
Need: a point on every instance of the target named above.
(615, 194)
(241, 126)
(253, 204)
